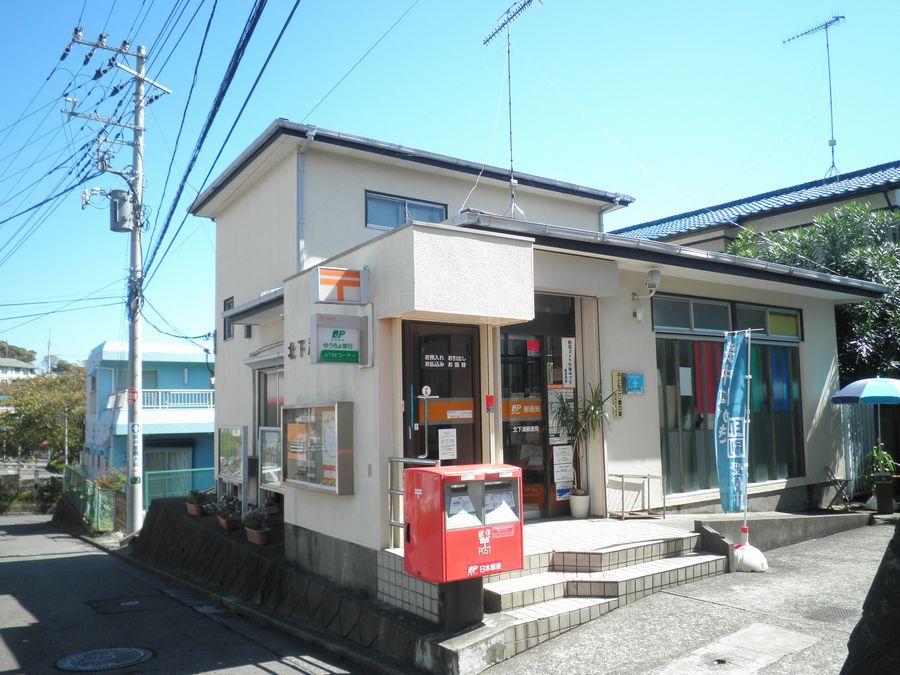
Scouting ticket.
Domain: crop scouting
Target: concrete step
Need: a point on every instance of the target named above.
(637, 581)
(622, 556)
(523, 591)
(540, 622)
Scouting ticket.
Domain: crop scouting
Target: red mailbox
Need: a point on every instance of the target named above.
(462, 522)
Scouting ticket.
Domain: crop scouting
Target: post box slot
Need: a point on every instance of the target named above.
(501, 502)
(462, 506)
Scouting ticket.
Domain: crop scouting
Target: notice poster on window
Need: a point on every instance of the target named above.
(563, 469)
(568, 361)
(685, 382)
(533, 347)
(558, 435)
(563, 490)
(446, 444)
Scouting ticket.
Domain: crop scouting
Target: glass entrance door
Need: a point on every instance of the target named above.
(538, 365)
(443, 358)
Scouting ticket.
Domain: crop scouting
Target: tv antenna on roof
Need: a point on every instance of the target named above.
(815, 29)
(503, 22)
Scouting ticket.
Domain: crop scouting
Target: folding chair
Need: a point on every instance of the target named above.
(839, 485)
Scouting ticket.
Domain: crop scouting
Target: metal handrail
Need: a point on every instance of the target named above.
(645, 479)
(395, 520)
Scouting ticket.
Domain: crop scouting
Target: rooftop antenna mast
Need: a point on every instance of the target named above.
(815, 29)
(503, 22)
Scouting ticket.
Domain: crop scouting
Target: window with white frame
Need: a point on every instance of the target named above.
(386, 212)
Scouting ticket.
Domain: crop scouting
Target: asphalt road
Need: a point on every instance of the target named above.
(795, 618)
(59, 595)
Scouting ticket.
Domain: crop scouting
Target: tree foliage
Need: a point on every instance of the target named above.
(37, 406)
(13, 352)
(855, 241)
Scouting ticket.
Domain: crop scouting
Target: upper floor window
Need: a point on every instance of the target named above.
(227, 325)
(385, 212)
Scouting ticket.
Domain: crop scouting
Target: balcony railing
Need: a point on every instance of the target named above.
(167, 398)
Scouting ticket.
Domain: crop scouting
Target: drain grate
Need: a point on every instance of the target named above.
(832, 614)
(104, 659)
(139, 604)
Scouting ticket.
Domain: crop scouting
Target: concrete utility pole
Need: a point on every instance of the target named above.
(134, 516)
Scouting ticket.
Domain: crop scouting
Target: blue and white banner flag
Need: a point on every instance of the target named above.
(731, 431)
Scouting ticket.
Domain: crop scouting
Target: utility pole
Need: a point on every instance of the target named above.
(134, 516)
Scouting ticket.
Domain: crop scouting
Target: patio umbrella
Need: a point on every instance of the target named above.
(874, 391)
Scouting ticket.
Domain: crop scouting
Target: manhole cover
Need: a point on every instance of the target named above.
(140, 604)
(103, 659)
(832, 614)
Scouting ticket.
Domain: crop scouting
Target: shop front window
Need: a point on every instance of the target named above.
(538, 365)
(688, 383)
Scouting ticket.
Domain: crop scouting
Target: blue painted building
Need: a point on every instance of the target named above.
(178, 412)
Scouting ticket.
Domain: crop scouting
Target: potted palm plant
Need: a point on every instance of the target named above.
(883, 467)
(582, 419)
(195, 503)
(255, 527)
(228, 511)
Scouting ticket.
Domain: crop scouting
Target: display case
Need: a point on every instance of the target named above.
(317, 443)
(230, 445)
(270, 467)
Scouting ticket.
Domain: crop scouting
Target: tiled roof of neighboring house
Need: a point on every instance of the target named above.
(15, 363)
(872, 179)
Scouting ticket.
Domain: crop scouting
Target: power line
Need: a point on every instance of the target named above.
(187, 26)
(236, 57)
(361, 59)
(187, 104)
(59, 309)
(234, 124)
(52, 197)
(50, 302)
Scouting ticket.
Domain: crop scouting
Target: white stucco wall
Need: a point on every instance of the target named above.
(255, 251)
(632, 443)
(405, 280)
(335, 198)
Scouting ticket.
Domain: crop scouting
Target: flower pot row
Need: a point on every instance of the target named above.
(227, 512)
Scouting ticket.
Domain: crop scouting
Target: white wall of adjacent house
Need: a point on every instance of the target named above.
(633, 442)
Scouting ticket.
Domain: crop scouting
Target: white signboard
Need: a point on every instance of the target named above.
(337, 285)
(563, 471)
(568, 361)
(446, 444)
(338, 339)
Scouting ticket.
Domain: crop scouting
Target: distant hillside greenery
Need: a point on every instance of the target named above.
(13, 352)
(854, 241)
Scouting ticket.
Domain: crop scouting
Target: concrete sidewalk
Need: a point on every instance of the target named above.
(796, 618)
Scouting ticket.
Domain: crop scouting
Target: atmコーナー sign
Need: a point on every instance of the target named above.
(338, 339)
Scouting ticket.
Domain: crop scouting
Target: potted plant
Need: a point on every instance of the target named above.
(255, 527)
(883, 467)
(195, 503)
(228, 511)
(582, 419)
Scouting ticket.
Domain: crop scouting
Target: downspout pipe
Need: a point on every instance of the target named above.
(301, 197)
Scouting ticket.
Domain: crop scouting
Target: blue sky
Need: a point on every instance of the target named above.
(680, 105)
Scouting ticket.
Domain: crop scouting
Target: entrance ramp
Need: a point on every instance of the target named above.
(575, 571)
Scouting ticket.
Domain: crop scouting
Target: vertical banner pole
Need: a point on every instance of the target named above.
(749, 377)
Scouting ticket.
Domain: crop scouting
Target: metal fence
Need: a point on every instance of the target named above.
(104, 510)
(176, 483)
